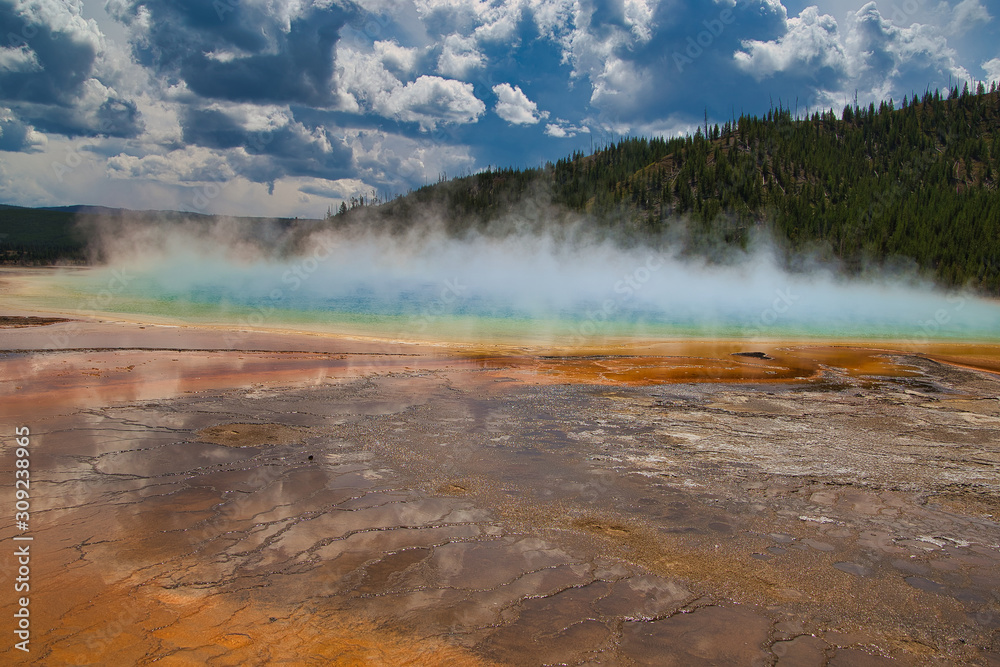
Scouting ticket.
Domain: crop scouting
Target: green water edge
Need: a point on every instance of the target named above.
(458, 329)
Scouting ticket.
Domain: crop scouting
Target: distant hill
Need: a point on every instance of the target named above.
(82, 208)
(38, 236)
(62, 234)
(915, 183)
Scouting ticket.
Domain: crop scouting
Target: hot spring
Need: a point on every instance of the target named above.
(524, 288)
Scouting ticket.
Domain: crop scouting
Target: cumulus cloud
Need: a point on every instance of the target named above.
(363, 80)
(992, 69)
(55, 75)
(399, 161)
(811, 46)
(399, 59)
(368, 86)
(15, 136)
(431, 100)
(892, 61)
(561, 129)
(275, 52)
(640, 58)
(966, 15)
(339, 189)
(290, 147)
(19, 59)
(489, 22)
(459, 57)
(873, 55)
(191, 164)
(317, 99)
(515, 107)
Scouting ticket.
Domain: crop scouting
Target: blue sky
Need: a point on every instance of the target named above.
(286, 107)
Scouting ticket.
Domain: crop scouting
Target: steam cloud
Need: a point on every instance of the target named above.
(568, 285)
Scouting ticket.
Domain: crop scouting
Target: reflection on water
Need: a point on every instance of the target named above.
(37, 384)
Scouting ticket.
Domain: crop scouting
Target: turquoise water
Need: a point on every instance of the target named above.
(575, 308)
(527, 287)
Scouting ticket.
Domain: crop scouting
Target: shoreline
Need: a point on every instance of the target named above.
(633, 362)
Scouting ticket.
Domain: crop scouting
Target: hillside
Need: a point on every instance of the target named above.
(38, 236)
(916, 183)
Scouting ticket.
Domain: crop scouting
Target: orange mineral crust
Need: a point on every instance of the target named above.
(285, 498)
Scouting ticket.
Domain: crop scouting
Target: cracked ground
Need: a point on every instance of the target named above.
(431, 510)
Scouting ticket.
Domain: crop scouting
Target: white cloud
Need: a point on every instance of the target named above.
(966, 15)
(639, 18)
(63, 16)
(224, 55)
(992, 69)
(366, 85)
(161, 118)
(562, 129)
(402, 162)
(888, 60)
(191, 164)
(812, 42)
(620, 83)
(342, 188)
(211, 180)
(19, 60)
(557, 131)
(362, 80)
(255, 117)
(15, 135)
(397, 58)
(874, 56)
(409, 60)
(459, 57)
(497, 21)
(81, 81)
(515, 107)
(431, 100)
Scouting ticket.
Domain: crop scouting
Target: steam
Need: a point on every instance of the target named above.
(569, 285)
